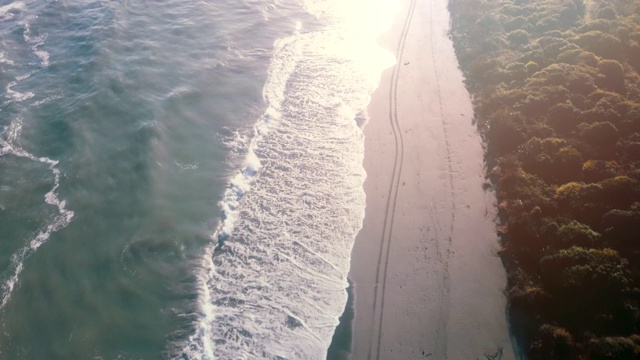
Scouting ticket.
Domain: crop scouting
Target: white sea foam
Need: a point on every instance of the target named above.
(43, 55)
(8, 11)
(4, 60)
(16, 96)
(46, 100)
(14, 130)
(35, 41)
(272, 285)
(9, 146)
(187, 167)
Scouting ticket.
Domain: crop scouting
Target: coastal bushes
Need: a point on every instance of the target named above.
(556, 93)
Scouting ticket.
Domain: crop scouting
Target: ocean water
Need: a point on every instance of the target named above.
(181, 179)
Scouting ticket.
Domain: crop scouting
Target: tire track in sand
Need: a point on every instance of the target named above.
(444, 255)
(387, 230)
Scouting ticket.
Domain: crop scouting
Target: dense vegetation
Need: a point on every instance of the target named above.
(556, 93)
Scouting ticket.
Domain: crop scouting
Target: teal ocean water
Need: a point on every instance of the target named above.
(181, 179)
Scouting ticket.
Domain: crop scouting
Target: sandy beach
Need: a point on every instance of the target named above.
(427, 280)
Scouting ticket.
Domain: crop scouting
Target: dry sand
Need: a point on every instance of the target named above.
(428, 282)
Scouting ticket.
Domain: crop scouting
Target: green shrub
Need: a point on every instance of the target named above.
(576, 233)
(554, 46)
(600, 134)
(553, 343)
(532, 67)
(483, 67)
(607, 12)
(536, 55)
(601, 44)
(598, 170)
(608, 108)
(613, 75)
(536, 146)
(582, 83)
(585, 272)
(571, 13)
(582, 201)
(505, 133)
(577, 191)
(515, 23)
(602, 25)
(535, 156)
(613, 348)
(548, 23)
(633, 54)
(552, 75)
(619, 192)
(527, 189)
(528, 297)
(567, 165)
(630, 149)
(540, 100)
(519, 9)
(517, 71)
(563, 117)
(611, 97)
(623, 33)
(518, 38)
(578, 56)
(622, 228)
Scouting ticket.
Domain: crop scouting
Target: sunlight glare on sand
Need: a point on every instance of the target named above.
(363, 18)
(357, 25)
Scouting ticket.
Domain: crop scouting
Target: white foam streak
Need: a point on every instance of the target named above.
(5, 11)
(43, 55)
(13, 133)
(46, 100)
(240, 184)
(283, 63)
(35, 42)
(9, 284)
(200, 345)
(3, 60)
(60, 221)
(16, 96)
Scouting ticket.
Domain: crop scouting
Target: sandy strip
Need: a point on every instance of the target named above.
(428, 283)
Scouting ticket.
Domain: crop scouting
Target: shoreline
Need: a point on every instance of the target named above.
(427, 280)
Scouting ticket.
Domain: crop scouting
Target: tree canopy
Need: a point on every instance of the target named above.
(556, 94)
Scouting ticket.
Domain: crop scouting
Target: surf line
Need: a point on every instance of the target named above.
(59, 222)
(389, 217)
(199, 344)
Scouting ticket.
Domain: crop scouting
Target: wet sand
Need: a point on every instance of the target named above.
(427, 281)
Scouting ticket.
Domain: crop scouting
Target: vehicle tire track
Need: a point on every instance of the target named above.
(387, 230)
(442, 117)
(445, 256)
